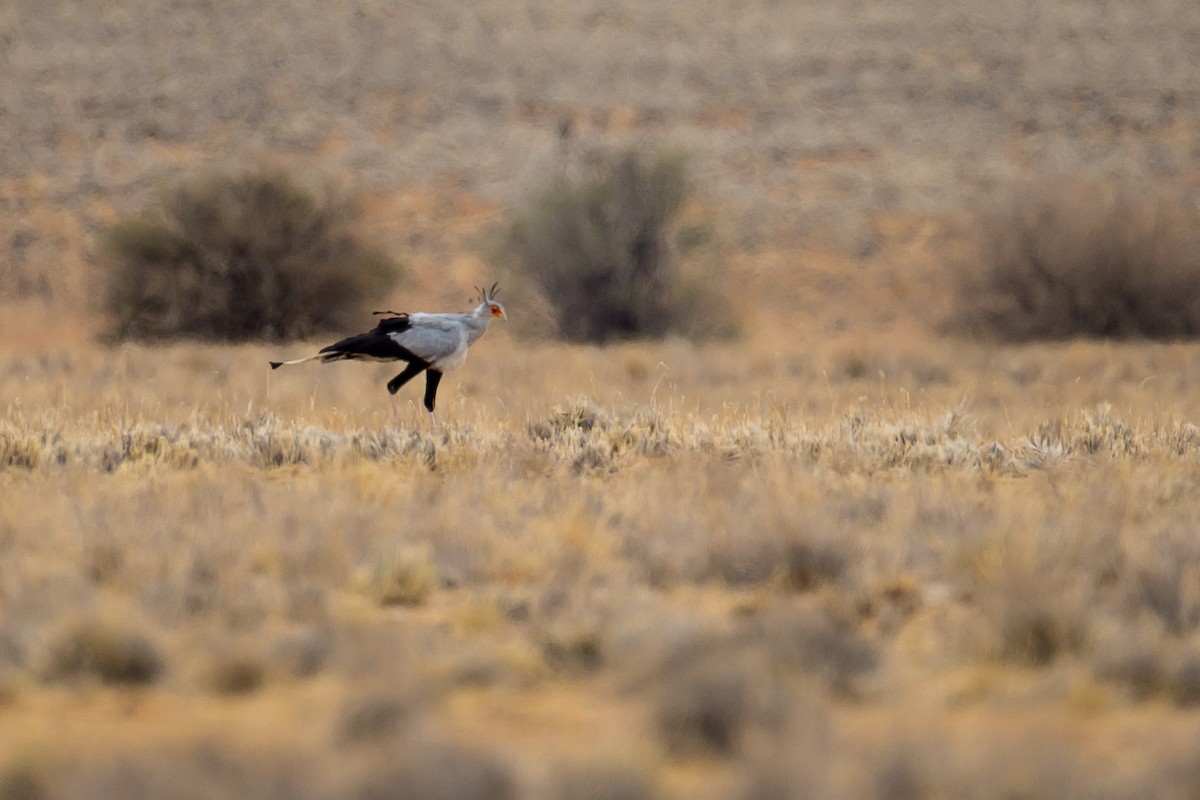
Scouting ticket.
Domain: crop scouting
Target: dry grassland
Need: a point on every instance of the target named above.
(257, 577)
(842, 557)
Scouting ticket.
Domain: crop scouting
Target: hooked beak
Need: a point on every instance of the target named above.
(499, 312)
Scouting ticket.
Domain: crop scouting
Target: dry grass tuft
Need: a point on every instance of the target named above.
(1080, 259)
(22, 451)
(581, 439)
(405, 575)
(1034, 596)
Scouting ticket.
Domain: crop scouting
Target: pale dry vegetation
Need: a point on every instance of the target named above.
(840, 558)
(597, 597)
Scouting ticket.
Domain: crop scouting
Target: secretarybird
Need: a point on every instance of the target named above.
(429, 343)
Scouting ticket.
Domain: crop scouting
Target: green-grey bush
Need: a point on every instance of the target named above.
(235, 257)
(1079, 259)
(603, 250)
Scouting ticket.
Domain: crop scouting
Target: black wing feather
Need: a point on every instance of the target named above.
(395, 324)
(375, 344)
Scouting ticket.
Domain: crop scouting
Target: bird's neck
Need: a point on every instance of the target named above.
(482, 314)
(478, 320)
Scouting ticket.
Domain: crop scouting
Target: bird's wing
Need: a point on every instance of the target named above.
(432, 337)
(399, 322)
(374, 345)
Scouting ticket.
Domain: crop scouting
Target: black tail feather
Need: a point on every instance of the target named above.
(373, 345)
(275, 364)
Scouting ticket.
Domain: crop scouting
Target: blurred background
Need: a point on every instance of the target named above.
(832, 145)
(841, 445)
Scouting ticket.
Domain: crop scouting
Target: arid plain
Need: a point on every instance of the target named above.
(849, 553)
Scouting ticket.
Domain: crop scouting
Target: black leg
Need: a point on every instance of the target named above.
(432, 379)
(414, 369)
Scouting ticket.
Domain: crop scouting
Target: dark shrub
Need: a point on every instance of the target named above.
(603, 252)
(241, 257)
(1141, 671)
(716, 692)
(1077, 259)
(1166, 586)
(106, 649)
(23, 781)
(237, 673)
(1185, 683)
(809, 640)
(706, 709)
(1035, 631)
(372, 717)
(810, 564)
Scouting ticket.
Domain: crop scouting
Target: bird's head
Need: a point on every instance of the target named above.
(488, 303)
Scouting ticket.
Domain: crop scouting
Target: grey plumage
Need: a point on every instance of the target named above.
(430, 343)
